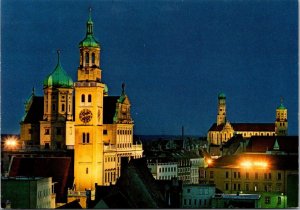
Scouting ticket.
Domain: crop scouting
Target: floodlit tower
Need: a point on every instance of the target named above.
(221, 117)
(281, 123)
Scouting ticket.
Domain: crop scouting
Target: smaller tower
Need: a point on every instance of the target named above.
(221, 117)
(56, 126)
(281, 123)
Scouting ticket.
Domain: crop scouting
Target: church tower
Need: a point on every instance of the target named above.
(281, 123)
(221, 117)
(89, 91)
(57, 120)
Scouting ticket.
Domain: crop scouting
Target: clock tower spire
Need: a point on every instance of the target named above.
(89, 92)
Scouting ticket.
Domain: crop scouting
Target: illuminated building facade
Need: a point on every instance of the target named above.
(262, 174)
(81, 116)
(223, 130)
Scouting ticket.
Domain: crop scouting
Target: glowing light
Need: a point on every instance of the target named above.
(11, 142)
(246, 164)
(209, 161)
(255, 164)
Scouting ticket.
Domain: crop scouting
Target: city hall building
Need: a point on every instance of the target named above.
(81, 116)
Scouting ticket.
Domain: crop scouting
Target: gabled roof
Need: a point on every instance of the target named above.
(55, 167)
(288, 144)
(36, 110)
(109, 108)
(259, 127)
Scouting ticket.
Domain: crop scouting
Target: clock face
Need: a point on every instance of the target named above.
(85, 115)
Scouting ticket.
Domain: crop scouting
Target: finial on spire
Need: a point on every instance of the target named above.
(90, 13)
(58, 55)
(123, 88)
(281, 100)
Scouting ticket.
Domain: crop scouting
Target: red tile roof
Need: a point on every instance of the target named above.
(259, 127)
(55, 167)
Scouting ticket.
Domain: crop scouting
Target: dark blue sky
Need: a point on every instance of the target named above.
(174, 56)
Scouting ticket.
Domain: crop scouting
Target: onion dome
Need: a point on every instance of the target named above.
(58, 78)
(222, 96)
(89, 40)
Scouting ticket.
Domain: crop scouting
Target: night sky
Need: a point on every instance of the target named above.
(174, 56)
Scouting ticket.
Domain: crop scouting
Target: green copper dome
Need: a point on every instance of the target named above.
(222, 96)
(58, 78)
(89, 40)
(281, 106)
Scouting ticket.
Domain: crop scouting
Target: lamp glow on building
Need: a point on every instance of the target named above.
(11, 142)
(254, 164)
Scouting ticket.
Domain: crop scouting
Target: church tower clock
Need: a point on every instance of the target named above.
(89, 91)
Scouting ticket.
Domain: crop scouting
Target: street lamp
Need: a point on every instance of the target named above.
(11, 142)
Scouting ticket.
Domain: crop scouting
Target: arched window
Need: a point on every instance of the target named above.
(83, 137)
(87, 59)
(63, 107)
(93, 58)
(88, 138)
(89, 98)
(82, 98)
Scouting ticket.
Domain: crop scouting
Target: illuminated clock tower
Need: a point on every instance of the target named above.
(89, 91)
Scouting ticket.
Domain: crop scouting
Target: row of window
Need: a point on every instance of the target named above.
(237, 175)
(85, 138)
(268, 200)
(201, 202)
(165, 177)
(124, 132)
(87, 58)
(110, 159)
(167, 169)
(59, 131)
(44, 193)
(62, 107)
(89, 98)
(183, 170)
(110, 176)
(124, 145)
(266, 187)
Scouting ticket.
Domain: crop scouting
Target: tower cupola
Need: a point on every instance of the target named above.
(89, 40)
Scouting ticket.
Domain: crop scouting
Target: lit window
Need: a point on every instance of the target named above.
(279, 200)
(267, 200)
(47, 131)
